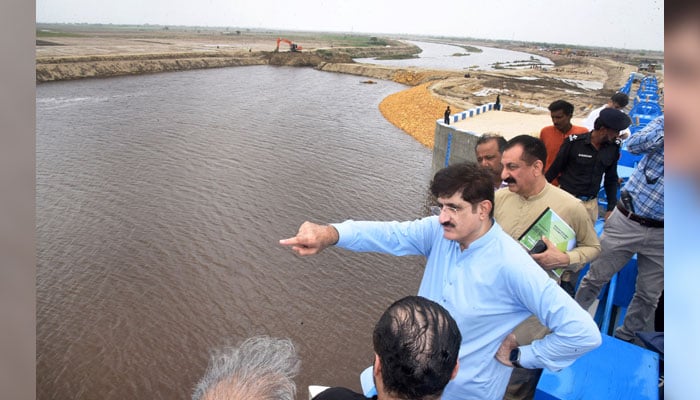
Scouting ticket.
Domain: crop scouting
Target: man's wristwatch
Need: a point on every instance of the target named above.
(515, 357)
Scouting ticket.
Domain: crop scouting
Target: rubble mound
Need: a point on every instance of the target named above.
(305, 59)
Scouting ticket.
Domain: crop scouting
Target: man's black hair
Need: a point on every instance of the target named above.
(563, 105)
(487, 137)
(533, 148)
(620, 99)
(475, 183)
(417, 342)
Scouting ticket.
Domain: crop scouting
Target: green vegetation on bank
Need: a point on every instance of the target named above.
(79, 29)
(335, 39)
(350, 40)
(471, 49)
(46, 33)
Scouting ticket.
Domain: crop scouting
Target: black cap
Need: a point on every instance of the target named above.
(614, 119)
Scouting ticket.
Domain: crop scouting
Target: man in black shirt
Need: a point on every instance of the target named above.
(584, 159)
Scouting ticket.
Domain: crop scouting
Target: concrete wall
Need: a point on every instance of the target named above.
(453, 145)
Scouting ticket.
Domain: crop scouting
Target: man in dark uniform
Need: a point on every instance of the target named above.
(584, 159)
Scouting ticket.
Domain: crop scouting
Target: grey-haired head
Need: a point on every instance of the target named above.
(259, 368)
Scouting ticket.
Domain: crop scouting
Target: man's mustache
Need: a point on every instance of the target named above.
(448, 224)
(509, 179)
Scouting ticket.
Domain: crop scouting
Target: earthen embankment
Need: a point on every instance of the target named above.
(102, 67)
(84, 53)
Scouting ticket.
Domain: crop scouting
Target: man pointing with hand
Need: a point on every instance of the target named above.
(483, 277)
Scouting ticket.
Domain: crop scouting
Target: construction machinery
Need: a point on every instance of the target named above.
(293, 47)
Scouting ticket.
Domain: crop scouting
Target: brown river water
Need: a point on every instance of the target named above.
(160, 201)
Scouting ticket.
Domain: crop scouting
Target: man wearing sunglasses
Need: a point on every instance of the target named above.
(482, 276)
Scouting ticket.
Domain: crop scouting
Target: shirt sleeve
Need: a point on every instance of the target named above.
(573, 331)
(391, 237)
(590, 120)
(559, 161)
(587, 243)
(611, 184)
(649, 138)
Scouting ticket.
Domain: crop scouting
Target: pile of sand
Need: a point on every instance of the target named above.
(414, 111)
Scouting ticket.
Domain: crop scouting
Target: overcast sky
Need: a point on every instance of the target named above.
(630, 24)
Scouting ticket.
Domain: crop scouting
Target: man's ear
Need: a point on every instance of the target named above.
(538, 167)
(377, 366)
(486, 206)
(454, 371)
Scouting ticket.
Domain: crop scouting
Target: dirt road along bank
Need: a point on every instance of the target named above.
(74, 52)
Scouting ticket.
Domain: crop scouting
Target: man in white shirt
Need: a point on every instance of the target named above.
(617, 101)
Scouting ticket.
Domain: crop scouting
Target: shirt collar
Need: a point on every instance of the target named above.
(486, 239)
(539, 195)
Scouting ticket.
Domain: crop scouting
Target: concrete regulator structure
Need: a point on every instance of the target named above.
(453, 145)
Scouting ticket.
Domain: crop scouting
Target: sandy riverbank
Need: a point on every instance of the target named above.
(525, 93)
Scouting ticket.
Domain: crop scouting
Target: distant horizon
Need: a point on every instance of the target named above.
(270, 29)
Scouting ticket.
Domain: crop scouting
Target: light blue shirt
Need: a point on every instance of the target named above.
(680, 321)
(489, 288)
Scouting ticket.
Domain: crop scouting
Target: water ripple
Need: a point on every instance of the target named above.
(160, 201)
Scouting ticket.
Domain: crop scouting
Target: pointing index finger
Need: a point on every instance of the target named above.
(292, 241)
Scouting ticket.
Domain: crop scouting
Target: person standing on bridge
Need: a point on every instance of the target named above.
(483, 277)
(618, 101)
(553, 135)
(636, 225)
(489, 149)
(529, 194)
(584, 159)
(447, 115)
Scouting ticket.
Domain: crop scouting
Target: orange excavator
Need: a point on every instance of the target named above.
(293, 47)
